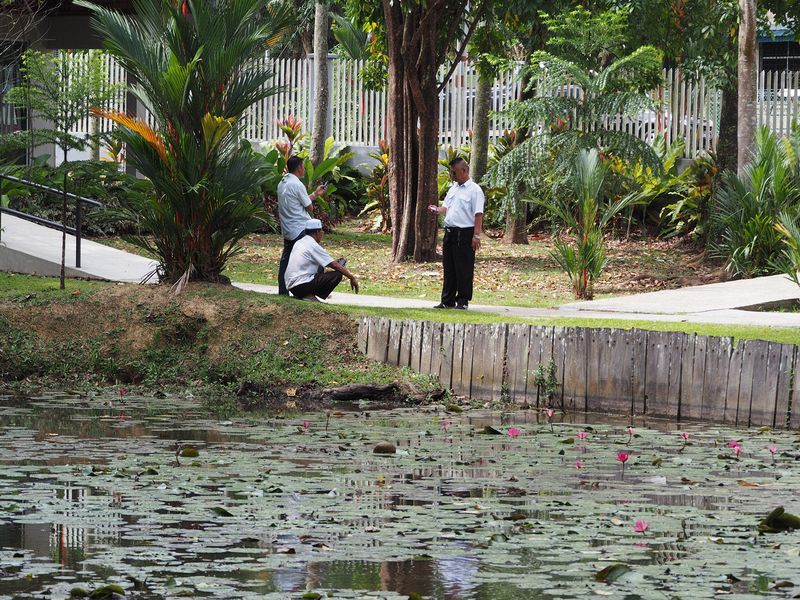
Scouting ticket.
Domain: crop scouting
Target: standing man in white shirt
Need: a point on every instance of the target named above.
(306, 276)
(293, 202)
(463, 224)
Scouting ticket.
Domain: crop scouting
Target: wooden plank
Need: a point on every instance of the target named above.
(694, 410)
(436, 349)
(693, 376)
(783, 393)
(404, 357)
(517, 353)
(393, 345)
(688, 345)
(480, 381)
(416, 346)
(448, 343)
(426, 346)
(676, 342)
(575, 369)
(460, 386)
(794, 418)
(610, 365)
(715, 378)
(534, 361)
(761, 410)
(363, 333)
(657, 374)
(734, 381)
(467, 360)
(559, 350)
(378, 340)
(745, 383)
(496, 356)
(636, 340)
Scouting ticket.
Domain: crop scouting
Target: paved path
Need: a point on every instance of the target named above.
(30, 248)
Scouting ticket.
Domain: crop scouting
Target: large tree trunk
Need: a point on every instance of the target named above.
(727, 142)
(412, 34)
(479, 156)
(319, 129)
(748, 82)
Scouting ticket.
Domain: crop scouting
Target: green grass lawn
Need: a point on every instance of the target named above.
(512, 275)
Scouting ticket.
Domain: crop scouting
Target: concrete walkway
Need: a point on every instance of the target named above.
(29, 248)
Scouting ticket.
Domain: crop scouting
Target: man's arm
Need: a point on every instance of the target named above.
(337, 266)
(439, 210)
(476, 238)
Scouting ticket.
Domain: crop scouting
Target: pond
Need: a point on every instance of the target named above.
(482, 505)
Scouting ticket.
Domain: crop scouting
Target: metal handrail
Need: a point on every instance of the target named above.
(80, 200)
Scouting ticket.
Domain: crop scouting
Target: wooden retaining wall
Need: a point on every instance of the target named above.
(664, 374)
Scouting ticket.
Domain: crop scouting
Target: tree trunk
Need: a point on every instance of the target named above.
(517, 211)
(479, 157)
(748, 82)
(425, 223)
(319, 129)
(727, 142)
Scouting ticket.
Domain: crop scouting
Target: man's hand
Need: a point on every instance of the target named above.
(433, 208)
(476, 243)
(354, 283)
(319, 191)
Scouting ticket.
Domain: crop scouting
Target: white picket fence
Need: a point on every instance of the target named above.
(685, 109)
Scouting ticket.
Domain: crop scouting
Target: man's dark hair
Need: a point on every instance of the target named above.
(293, 163)
(457, 161)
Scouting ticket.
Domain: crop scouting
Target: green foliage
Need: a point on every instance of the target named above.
(588, 39)
(353, 42)
(584, 216)
(748, 208)
(194, 70)
(378, 190)
(101, 180)
(61, 88)
(571, 104)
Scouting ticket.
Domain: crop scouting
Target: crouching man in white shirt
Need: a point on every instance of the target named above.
(306, 276)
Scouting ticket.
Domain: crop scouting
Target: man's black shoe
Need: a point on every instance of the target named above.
(440, 305)
(461, 306)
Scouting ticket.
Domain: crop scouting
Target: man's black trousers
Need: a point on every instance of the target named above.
(321, 286)
(459, 265)
(287, 251)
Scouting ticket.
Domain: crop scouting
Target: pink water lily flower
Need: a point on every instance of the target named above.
(733, 444)
(579, 464)
(549, 413)
(582, 435)
(122, 391)
(641, 526)
(513, 432)
(685, 436)
(445, 425)
(306, 424)
(623, 457)
(772, 449)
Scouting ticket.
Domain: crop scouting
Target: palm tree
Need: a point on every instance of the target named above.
(585, 216)
(197, 70)
(572, 108)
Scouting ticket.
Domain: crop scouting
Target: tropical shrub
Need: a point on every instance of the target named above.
(576, 89)
(193, 63)
(748, 209)
(584, 215)
(377, 205)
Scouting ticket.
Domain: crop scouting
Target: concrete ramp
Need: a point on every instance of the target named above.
(744, 293)
(29, 248)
